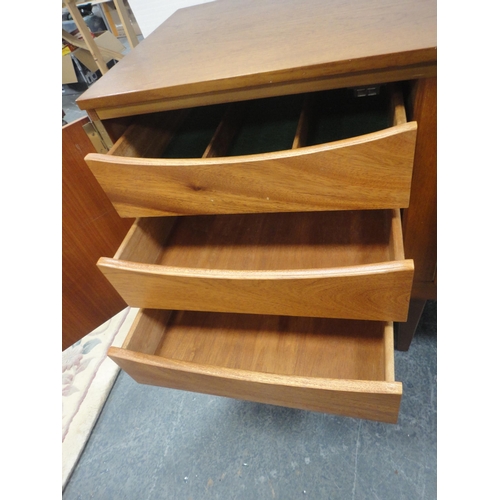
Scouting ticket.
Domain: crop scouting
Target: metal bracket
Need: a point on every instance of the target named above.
(95, 138)
(372, 90)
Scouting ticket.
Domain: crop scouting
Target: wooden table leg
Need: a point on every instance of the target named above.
(109, 19)
(127, 25)
(406, 331)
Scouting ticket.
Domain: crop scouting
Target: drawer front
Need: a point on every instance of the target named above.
(375, 292)
(372, 172)
(164, 349)
(368, 171)
(205, 265)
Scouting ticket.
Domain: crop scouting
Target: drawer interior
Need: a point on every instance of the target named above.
(267, 125)
(195, 132)
(334, 366)
(328, 264)
(339, 114)
(305, 240)
(264, 156)
(282, 345)
(261, 125)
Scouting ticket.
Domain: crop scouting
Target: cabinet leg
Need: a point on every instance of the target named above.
(406, 331)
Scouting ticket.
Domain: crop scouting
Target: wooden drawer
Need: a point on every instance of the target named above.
(335, 366)
(322, 151)
(339, 264)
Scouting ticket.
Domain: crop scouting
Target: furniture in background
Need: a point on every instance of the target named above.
(89, 42)
(223, 257)
(120, 20)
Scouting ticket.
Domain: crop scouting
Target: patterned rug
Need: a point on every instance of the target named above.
(87, 377)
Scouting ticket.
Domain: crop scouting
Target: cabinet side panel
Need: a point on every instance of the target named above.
(91, 228)
(420, 218)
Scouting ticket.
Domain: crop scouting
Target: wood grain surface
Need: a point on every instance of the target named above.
(90, 228)
(420, 218)
(333, 264)
(218, 47)
(333, 366)
(369, 172)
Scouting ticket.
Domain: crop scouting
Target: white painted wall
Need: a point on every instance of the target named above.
(149, 14)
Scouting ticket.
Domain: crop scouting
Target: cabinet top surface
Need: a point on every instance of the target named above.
(229, 45)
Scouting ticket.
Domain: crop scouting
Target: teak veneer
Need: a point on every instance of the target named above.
(368, 171)
(281, 220)
(234, 51)
(335, 366)
(327, 264)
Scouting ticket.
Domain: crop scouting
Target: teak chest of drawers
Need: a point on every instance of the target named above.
(268, 151)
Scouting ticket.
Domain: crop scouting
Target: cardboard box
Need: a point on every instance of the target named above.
(105, 40)
(68, 70)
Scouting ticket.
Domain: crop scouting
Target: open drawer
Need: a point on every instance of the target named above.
(334, 366)
(339, 264)
(322, 151)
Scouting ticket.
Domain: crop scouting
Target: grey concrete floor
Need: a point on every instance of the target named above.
(156, 443)
(70, 108)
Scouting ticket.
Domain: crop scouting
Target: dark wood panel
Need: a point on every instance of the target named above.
(420, 218)
(406, 331)
(91, 228)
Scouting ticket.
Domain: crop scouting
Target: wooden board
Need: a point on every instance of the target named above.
(90, 228)
(269, 47)
(370, 172)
